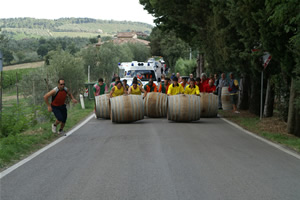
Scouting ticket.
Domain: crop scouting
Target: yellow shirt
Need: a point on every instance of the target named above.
(136, 91)
(175, 90)
(118, 92)
(189, 90)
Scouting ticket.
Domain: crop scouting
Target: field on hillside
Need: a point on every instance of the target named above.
(24, 66)
(20, 28)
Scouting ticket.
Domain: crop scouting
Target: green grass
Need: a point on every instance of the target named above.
(264, 128)
(15, 147)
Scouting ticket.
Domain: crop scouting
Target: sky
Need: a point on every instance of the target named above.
(129, 10)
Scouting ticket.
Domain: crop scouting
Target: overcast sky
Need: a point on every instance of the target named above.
(130, 10)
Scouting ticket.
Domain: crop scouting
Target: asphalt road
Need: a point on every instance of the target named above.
(159, 160)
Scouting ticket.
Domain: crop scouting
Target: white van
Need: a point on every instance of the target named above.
(141, 70)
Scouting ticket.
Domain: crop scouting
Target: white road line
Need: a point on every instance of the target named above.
(296, 155)
(22, 162)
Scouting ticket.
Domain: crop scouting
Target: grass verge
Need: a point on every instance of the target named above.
(273, 128)
(15, 147)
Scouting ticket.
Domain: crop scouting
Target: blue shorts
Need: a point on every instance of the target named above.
(60, 113)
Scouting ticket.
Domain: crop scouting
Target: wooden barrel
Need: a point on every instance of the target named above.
(209, 105)
(155, 104)
(127, 108)
(183, 108)
(225, 97)
(102, 106)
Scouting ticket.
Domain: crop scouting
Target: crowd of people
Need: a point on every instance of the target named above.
(170, 86)
(174, 85)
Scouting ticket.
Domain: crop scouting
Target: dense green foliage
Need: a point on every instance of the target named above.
(186, 67)
(226, 32)
(19, 28)
(103, 60)
(167, 45)
(10, 77)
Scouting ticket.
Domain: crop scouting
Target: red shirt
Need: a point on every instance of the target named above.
(203, 85)
(60, 97)
(200, 87)
(209, 89)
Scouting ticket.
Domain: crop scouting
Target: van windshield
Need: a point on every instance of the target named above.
(143, 75)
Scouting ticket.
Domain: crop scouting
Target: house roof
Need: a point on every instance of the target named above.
(126, 34)
(130, 40)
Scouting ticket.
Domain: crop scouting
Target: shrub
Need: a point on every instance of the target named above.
(185, 67)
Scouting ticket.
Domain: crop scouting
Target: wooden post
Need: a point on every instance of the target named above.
(17, 88)
(33, 92)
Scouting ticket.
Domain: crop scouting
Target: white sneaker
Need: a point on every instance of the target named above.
(53, 128)
(237, 112)
(61, 132)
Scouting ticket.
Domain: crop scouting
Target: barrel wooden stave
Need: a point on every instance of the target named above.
(127, 108)
(155, 105)
(183, 108)
(102, 106)
(209, 105)
(225, 97)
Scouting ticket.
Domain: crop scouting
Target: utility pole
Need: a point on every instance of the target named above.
(1, 78)
(89, 69)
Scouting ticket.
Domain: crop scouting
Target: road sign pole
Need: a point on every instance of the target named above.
(261, 94)
(1, 78)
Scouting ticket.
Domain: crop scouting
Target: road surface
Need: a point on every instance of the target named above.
(157, 159)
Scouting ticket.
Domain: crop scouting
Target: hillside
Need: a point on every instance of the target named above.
(19, 28)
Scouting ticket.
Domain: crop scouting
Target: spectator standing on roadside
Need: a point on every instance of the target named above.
(216, 83)
(204, 82)
(191, 77)
(233, 90)
(222, 83)
(100, 87)
(178, 77)
(58, 106)
(172, 77)
(210, 87)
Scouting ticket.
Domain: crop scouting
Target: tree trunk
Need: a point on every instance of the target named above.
(244, 92)
(254, 106)
(200, 64)
(269, 102)
(294, 113)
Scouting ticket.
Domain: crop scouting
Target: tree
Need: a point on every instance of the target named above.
(285, 18)
(185, 67)
(7, 56)
(140, 51)
(169, 46)
(65, 65)
(43, 50)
